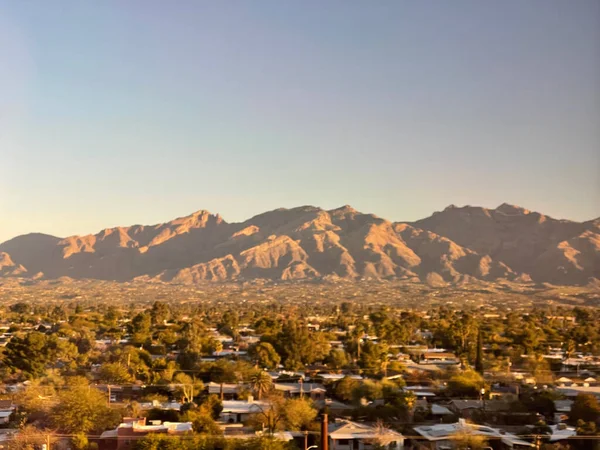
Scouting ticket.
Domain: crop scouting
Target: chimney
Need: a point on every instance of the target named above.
(324, 433)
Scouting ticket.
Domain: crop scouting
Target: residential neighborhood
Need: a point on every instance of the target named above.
(232, 378)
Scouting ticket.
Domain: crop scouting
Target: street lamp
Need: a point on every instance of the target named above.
(482, 397)
(306, 442)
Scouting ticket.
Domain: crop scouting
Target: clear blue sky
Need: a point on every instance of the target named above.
(119, 112)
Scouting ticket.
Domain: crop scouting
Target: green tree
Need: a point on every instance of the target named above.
(160, 313)
(223, 372)
(369, 390)
(345, 387)
(373, 357)
(187, 387)
(112, 315)
(82, 409)
(337, 359)
(115, 373)
(585, 408)
(140, 328)
(30, 437)
(462, 331)
(229, 323)
(80, 441)
(266, 443)
(166, 442)
(29, 354)
(20, 308)
(265, 355)
(204, 417)
(270, 415)
(541, 402)
(298, 346)
(267, 326)
(465, 384)
(466, 440)
(36, 401)
(587, 429)
(206, 425)
(299, 414)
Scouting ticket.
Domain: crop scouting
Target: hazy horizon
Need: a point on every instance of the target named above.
(121, 113)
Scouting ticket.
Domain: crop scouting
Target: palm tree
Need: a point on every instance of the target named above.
(261, 383)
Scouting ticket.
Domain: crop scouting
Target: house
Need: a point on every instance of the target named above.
(337, 376)
(339, 345)
(347, 435)
(465, 408)
(402, 356)
(561, 432)
(563, 381)
(249, 340)
(439, 411)
(504, 392)
(574, 391)
(238, 411)
(229, 354)
(334, 407)
(412, 367)
(231, 391)
(422, 392)
(114, 391)
(563, 409)
(571, 319)
(439, 358)
(6, 409)
(126, 434)
(165, 406)
(308, 390)
(443, 436)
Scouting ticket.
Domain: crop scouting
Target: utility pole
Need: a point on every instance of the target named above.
(192, 389)
(538, 442)
(324, 433)
(108, 386)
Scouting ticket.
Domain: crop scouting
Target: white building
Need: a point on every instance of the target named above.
(347, 435)
(441, 436)
(237, 411)
(561, 432)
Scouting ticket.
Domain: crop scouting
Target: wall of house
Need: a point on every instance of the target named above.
(355, 444)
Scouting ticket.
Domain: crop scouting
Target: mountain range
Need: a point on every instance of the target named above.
(456, 245)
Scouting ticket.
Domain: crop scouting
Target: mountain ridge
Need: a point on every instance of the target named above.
(308, 242)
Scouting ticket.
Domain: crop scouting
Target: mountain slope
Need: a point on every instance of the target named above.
(572, 261)
(551, 250)
(457, 245)
(8, 268)
(442, 256)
